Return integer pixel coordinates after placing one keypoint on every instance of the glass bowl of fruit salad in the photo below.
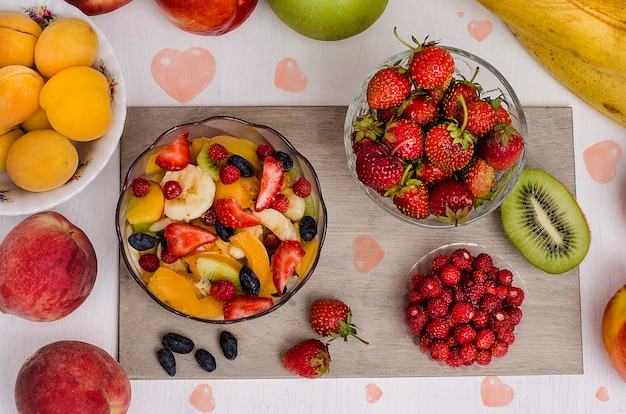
(221, 220)
(436, 147)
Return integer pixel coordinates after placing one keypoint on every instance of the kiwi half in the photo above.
(545, 223)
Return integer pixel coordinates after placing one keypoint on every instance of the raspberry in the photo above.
(482, 262)
(140, 187)
(167, 257)
(302, 188)
(218, 152)
(437, 328)
(464, 333)
(280, 203)
(439, 261)
(480, 319)
(499, 349)
(515, 296)
(515, 315)
(463, 312)
(454, 360)
(430, 287)
(483, 357)
(484, 338)
(222, 290)
(462, 258)
(149, 262)
(264, 150)
(450, 274)
(468, 352)
(172, 189)
(437, 308)
(439, 350)
(229, 174)
(271, 241)
(490, 303)
(505, 277)
(506, 335)
(209, 217)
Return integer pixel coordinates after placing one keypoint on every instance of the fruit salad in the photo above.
(220, 227)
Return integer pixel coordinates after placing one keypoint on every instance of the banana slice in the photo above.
(297, 205)
(280, 225)
(198, 192)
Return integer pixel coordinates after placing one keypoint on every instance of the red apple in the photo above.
(95, 7)
(614, 332)
(48, 267)
(206, 17)
(72, 377)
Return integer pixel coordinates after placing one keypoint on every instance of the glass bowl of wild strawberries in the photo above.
(436, 136)
(463, 304)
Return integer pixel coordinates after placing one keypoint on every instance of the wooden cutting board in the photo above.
(548, 339)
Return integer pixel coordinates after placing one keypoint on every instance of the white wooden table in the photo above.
(246, 60)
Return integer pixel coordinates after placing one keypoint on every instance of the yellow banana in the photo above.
(603, 90)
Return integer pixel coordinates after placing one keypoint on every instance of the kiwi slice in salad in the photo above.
(545, 223)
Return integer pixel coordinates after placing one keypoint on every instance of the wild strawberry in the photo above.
(454, 360)
(218, 152)
(222, 290)
(499, 349)
(176, 155)
(479, 276)
(468, 353)
(302, 187)
(506, 335)
(482, 262)
(448, 147)
(515, 296)
(452, 105)
(309, 359)
(505, 276)
(439, 350)
(484, 338)
(429, 173)
(502, 292)
(264, 150)
(451, 201)
(463, 312)
(376, 168)
(184, 238)
(280, 203)
(431, 67)
(230, 213)
(229, 174)
(437, 308)
(388, 87)
(405, 139)
(284, 262)
(490, 303)
(149, 262)
(479, 177)
(272, 179)
(499, 320)
(412, 200)
(140, 187)
(172, 189)
(450, 274)
(430, 287)
(464, 333)
(209, 217)
(416, 320)
(421, 109)
(425, 341)
(243, 306)
(437, 328)
(168, 257)
(447, 296)
(440, 261)
(474, 291)
(480, 319)
(515, 315)
(332, 317)
(502, 147)
(481, 117)
(483, 357)
(462, 258)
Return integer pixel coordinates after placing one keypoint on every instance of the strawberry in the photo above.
(421, 109)
(451, 201)
(280, 203)
(431, 67)
(376, 168)
(272, 180)
(502, 115)
(230, 213)
(412, 200)
(332, 317)
(429, 173)
(309, 359)
(448, 147)
(405, 139)
(388, 87)
(176, 155)
(242, 306)
(481, 117)
(284, 262)
(479, 177)
(452, 106)
(184, 238)
(366, 127)
(502, 147)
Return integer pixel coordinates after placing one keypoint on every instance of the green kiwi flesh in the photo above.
(545, 223)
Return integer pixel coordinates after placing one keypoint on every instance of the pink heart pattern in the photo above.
(494, 393)
(601, 160)
(183, 75)
(480, 30)
(289, 77)
(201, 398)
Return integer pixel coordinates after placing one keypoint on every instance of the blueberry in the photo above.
(285, 159)
(245, 167)
(228, 343)
(223, 232)
(142, 241)
(308, 228)
(249, 281)
(167, 361)
(177, 343)
(206, 360)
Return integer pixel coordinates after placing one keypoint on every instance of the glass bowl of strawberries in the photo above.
(221, 220)
(436, 136)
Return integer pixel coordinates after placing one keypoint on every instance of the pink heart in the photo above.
(183, 75)
(601, 160)
(289, 77)
(479, 30)
(201, 398)
(367, 253)
(494, 393)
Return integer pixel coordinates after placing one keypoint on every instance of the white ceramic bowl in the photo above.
(93, 155)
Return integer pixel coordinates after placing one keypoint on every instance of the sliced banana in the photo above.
(279, 224)
(198, 192)
(297, 205)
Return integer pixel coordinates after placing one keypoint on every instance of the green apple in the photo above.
(328, 19)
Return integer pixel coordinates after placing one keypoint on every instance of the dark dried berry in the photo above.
(250, 284)
(177, 343)
(142, 241)
(223, 232)
(244, 166)
(228, 342)
(308, 228)
(285, 159)
(206, 360)
(167, 361)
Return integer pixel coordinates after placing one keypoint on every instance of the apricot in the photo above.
(64, 43)
(38, 120)
(146, 209)
(75, 77)
(18, 36)
(6, 140)
(19, 94)
(41, 160)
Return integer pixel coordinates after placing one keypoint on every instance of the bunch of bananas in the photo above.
(582, 43)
